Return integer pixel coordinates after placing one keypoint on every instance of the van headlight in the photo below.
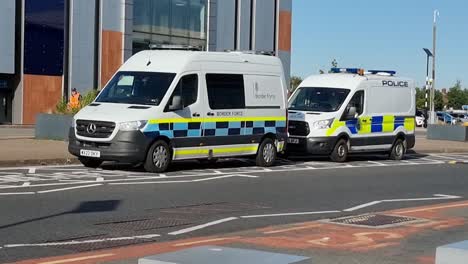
(322, 124)
(132, 125)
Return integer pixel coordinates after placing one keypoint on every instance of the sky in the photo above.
(381, 35)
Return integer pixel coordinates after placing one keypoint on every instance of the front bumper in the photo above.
(313, 145)
(126, 147)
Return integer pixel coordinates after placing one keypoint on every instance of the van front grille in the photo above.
(94, 129)
(298, 128)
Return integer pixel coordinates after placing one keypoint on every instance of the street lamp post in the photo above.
(429, 55)
(434, 38)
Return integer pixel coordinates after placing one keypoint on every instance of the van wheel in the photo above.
(340, 151)
(266, 154)
(398, 150)
(158, 157)
(90, 163)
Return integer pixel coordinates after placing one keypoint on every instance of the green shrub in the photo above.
(63, 109)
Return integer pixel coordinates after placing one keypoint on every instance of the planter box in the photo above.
(447, 132)
(52, 126)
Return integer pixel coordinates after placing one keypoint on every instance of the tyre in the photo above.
(90, 163)
(398, 150)
(158, 158)
(340, 151)
(266, 154)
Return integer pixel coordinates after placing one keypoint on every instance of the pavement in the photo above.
(117, 214)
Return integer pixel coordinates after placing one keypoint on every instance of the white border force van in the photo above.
(349, 111)
(166, 105)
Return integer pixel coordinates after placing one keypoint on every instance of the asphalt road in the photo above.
(48, 211)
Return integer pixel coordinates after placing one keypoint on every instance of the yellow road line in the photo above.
(205, 241)
(77, 259)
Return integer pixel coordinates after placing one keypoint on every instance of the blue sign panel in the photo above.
(44, 37)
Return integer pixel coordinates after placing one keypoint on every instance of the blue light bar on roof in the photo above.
(379, 71)
(345, 70)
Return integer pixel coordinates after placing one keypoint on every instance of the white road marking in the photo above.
(436, 197)
(362, 206)
(290, 214)
(79, 242)
(41, 167)
(376, 163)
(69, 188)
(198, 227)
(17, 193)
(184, 181)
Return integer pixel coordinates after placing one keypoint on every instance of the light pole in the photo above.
(426, 90)
(429, 55)
(434, 38)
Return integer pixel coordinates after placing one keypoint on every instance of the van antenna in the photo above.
(149, 55)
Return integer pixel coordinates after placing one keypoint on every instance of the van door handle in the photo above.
(195, 114)
(210, 114)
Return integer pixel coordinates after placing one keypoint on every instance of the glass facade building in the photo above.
(49, 47)
(181, 22)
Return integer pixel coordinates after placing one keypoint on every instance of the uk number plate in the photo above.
(90, 153)
(293, 140)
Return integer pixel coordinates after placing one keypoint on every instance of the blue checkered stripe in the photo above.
(228, 128)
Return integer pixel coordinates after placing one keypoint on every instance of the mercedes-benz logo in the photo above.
(91, 129)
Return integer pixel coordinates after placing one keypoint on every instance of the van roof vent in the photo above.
(391, 73)
(174, 47)
(254, 52)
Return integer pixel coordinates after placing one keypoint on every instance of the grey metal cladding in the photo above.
(244, 24)
(112, 15)
(264, 25)
(225, 25)
(7, 32)
(82, 40)
(285, 57)
(285, 5)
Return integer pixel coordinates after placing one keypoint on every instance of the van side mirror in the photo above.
(176, 103)
(351, 113)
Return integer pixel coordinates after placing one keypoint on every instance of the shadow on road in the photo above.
(84, 207)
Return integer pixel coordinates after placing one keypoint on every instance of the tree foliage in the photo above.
(294, 82)
(421, 99)
(457, 96)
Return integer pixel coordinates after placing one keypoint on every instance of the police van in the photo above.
(165, 105)
(350, 111)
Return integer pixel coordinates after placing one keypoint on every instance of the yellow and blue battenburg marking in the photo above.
(374, 124)
(213, 126)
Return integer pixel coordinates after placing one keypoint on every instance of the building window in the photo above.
(181, 22)
(225, 91)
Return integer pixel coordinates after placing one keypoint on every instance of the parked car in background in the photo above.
(460, 117)
(446, 118)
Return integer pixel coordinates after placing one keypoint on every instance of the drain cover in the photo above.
(144, 224)
(374, 220)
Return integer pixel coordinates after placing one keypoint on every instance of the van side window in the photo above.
(358, 102)
(187, 89)
(225, 91)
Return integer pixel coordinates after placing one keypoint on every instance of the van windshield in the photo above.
(318, 99)
(144, 88)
